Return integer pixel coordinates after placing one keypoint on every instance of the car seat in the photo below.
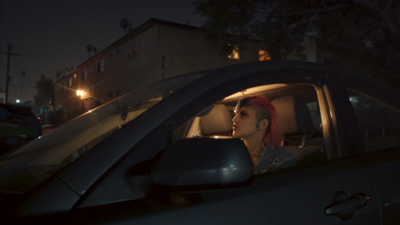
(296, 126)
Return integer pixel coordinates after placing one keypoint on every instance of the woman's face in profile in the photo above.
(244, 122)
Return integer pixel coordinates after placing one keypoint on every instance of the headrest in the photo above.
(218, 120)
(293, 115)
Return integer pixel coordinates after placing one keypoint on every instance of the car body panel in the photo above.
(278, 198)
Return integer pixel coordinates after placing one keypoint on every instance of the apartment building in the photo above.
(153, 51)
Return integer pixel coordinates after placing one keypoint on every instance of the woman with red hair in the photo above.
(255, 122)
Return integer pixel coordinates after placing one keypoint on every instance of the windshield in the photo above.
(35, 162)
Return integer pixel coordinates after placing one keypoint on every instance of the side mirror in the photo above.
(199, 163)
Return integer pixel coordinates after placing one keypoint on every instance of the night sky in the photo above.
(48, 35)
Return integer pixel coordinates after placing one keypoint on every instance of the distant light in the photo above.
(263, 55)
(82, 94)
(235, 53)
(17, 101)
(79, 92)
(353, 99)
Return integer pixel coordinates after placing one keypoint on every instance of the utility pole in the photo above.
(9, 54)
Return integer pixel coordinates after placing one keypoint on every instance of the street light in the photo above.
(82, 94)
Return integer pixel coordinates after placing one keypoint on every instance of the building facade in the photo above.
(154, 51)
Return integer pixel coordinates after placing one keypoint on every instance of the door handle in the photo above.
(344, 204)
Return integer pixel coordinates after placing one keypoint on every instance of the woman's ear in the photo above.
(262, 124)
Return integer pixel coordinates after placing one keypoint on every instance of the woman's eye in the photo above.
(243, 114)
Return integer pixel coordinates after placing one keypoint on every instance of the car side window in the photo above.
(379, 122)
(299, 117)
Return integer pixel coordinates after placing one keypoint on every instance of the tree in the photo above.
(360, 35)
(45, 92)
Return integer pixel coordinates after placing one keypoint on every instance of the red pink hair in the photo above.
(265, 110)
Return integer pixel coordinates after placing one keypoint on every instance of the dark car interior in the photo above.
(378, 121)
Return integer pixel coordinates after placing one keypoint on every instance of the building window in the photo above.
(63, 85)
(129, 54)
(75, 75)
(100, 66)
(70, 82)
(135, 48)
(263, 55)
(235, 53)
(84, 75)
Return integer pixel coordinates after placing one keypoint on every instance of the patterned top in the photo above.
(274, 159)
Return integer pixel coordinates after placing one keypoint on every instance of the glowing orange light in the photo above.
(82, 94)
(263, 55)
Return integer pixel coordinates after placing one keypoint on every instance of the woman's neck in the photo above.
(255, 148)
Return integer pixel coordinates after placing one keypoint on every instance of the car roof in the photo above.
(16, 109)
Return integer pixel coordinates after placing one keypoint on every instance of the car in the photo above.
(164, 154)
(18, 125)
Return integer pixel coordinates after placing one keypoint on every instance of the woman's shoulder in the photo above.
(283, 152)
(276, 158)
(284, 157)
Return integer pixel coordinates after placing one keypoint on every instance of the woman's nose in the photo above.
(234, 119)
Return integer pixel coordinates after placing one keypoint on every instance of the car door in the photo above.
(336, 190)
(377, 108)
(333, 191)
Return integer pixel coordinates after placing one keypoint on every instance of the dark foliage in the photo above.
(360, 35)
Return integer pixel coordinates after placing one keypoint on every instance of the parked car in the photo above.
(18, 125)
(163, 154)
